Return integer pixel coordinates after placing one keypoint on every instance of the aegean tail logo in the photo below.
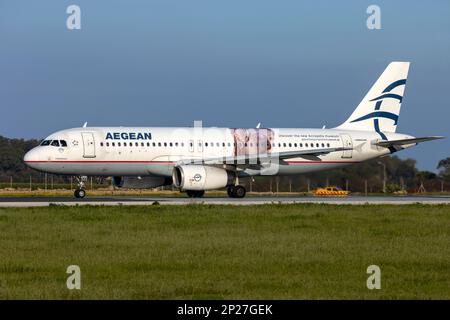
(377, 113)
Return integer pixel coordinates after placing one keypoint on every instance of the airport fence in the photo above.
(274, 185)
(51, 182)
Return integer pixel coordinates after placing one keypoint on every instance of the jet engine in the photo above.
(141, 182)
(199, 177)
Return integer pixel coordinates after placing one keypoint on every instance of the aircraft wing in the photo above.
(391, 143)
(261, 158)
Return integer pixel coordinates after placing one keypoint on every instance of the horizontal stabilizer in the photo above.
(401, 142)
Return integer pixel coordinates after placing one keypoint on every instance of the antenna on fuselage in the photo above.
(85, 125)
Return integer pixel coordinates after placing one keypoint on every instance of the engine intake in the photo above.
(198, 177)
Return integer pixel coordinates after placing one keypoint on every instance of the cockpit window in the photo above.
(63, 143)
(55, 143)
(45, 142)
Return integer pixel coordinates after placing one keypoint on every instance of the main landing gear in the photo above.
(233, 192)
(236, 191)
(80, 192)
(195, 193)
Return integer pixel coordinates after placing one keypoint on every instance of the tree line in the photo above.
(401, 174)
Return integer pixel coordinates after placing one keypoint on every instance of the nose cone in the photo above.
(31, 158)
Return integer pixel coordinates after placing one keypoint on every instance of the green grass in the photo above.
(226, 252)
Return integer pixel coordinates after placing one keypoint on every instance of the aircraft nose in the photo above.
(31, 158)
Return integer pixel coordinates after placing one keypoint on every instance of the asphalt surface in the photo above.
(132, 200)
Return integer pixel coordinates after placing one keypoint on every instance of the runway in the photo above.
(132, 200)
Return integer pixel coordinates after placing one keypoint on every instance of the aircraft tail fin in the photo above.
(379, 110)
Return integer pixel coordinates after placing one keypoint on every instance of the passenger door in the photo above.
(347, 143)
(88, 144)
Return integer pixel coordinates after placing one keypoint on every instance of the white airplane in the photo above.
(197, 159)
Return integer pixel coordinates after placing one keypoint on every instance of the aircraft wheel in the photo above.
(239, 192)
(190, 193)
(79, 193)
(195, 194)
(200, 194)
(230, 191)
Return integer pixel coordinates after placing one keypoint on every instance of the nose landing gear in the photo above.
(80, 192)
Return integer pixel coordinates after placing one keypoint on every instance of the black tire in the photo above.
(195, 193)
(200, 194)
(79, 193)
(230, 191)
(190, 193)
(239, 192)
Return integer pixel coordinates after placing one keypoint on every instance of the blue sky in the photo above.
(229, 63)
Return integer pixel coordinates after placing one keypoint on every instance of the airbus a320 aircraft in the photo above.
(197, 159)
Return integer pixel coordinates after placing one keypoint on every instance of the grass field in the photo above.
(226, 252)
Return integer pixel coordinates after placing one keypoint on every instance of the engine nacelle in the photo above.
(141, 183)
(198, 177)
